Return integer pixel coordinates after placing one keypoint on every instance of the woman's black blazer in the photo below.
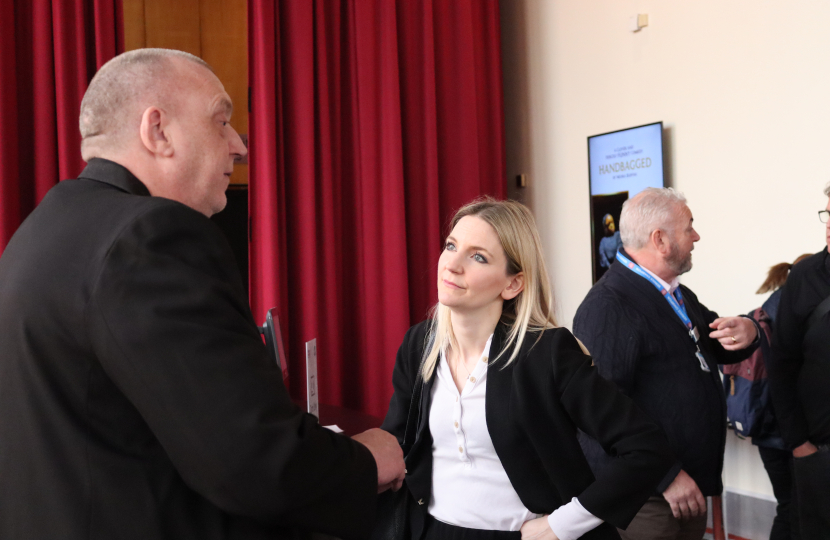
(533, 408)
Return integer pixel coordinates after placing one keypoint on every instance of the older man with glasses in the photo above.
(799, 374)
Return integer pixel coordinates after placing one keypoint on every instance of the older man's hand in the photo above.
(684, 497)
(388, 457)
(734, 333)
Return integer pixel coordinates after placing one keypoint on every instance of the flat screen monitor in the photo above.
(620, 165)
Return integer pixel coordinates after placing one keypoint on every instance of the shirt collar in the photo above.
(485, 354)
(671, 287)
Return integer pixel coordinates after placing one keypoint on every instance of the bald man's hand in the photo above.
(388, 457)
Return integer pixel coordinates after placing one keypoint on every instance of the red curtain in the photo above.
(49, 51)
(371, 121)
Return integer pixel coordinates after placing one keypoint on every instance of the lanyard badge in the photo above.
(675, 303)
(693, 333)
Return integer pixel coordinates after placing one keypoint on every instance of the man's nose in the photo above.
(238, 148)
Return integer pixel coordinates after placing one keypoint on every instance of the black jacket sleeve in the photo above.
(404, 376)
(786, 362)
(171, 327)
(722, 356)
(641, 451)
(610, 332)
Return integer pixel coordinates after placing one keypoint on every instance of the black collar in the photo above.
(110, 172)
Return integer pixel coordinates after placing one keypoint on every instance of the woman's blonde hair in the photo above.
(532, 309)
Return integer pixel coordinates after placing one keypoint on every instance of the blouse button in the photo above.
(460, 450)
(472, 379)
(455, 424)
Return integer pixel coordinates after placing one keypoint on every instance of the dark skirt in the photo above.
(438, 530)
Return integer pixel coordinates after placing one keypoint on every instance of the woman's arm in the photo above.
(598, 408)
(404, 376)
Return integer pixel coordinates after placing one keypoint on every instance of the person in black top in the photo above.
(777, 459)
(631, 323)
(138, 399)
(799, 374)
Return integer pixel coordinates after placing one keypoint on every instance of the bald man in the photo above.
(136, 396)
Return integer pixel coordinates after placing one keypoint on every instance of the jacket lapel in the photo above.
(497, 399)
(422, 420)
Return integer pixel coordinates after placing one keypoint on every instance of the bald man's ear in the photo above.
(154, 132)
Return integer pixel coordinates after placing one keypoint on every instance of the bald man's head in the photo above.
(121, 90)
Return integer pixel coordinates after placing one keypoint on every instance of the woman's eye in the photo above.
(449, 246)
(479, 258)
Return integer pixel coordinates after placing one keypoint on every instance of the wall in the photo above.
(214, 30)
(741, 87)
(217, 32)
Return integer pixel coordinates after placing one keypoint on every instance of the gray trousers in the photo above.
(655, 521)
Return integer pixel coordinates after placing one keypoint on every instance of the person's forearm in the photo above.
(570, 521)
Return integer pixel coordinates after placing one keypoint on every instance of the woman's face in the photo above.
(472, 270)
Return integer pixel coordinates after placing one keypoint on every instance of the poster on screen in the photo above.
(621, 164)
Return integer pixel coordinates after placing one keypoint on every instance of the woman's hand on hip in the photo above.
(538, 529)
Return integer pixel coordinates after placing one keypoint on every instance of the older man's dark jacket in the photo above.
(640, 343)
(137, 400)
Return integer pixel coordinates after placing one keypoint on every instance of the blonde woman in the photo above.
(500, 392)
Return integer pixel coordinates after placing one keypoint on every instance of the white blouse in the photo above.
(469, 485)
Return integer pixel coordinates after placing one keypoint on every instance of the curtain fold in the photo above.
(371, 121)
(50, 51)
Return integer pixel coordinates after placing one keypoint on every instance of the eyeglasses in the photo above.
(823, 215)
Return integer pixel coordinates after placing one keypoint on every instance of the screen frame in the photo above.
(594, 261)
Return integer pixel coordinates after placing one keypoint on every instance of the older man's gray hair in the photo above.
(121, 91)
(649, 210)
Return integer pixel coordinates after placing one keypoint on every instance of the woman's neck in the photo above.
(472, 329)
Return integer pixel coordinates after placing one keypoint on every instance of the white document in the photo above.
(311, 377)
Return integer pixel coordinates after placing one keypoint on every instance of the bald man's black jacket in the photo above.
(137, 400)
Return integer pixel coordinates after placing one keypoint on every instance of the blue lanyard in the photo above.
(678, 307)
(675, 303)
